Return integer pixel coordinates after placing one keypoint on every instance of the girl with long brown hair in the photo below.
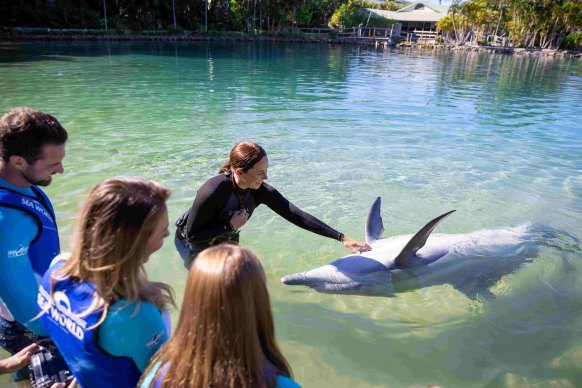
(98, 305)
(224, 203)
(225, 336)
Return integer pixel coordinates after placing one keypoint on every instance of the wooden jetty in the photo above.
(374, 35)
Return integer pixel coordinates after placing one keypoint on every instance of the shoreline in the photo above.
(241, 37)
(559, 53)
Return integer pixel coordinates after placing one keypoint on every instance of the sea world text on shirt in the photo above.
(60, 312)
(36, 206)
(20, 251)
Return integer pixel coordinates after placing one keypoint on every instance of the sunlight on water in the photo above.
(495, 137)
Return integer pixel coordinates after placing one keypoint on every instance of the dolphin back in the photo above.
(374, 224)
(417, 241)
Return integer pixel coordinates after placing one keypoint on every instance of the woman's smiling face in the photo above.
(254, 177)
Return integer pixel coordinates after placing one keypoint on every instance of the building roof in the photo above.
(423, 6)
(419, 11)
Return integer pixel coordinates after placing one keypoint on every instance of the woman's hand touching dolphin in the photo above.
(355, 246)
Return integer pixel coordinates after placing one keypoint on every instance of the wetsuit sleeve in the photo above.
(210, 198)
(18, 284)
(125, 333)
(280, 205)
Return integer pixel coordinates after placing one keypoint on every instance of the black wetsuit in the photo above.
(207, 223)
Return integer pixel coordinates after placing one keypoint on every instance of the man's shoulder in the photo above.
(16, 218)
(7, 187)
(16, 202)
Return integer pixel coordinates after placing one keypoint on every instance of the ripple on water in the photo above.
(492, 136)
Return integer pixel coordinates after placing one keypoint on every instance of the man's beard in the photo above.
(44, 182)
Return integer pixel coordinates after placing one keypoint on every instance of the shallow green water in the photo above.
(495, 137)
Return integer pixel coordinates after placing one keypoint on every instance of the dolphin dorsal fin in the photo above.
(418, 240)
(374, 225)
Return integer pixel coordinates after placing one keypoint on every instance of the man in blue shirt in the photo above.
(32, 148)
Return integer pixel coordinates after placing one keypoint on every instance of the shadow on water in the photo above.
(252, 52)
(261, 67)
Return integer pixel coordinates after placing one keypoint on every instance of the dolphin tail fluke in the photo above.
(418, 240)
(374, 224)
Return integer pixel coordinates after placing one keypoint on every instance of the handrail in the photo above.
(383, 33)
(315, 30)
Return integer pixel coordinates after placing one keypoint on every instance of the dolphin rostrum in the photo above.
(470, 262)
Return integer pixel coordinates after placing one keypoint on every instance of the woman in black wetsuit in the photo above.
(223, 204)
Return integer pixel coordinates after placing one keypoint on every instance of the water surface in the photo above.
(496, 137)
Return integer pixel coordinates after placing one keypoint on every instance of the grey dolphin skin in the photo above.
(471, 262)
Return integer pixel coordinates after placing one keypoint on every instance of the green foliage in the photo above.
(527, 23)
(200, 27)
(303, 17)
(347, 15)
(236, 14)
(351, 14)
(445, 24)
(380, 22)
(175, 31)
(573, 41)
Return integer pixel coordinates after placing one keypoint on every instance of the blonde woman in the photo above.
(98, 305)
(225, 336)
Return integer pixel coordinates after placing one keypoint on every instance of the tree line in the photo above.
(193, 15)
(526, 23)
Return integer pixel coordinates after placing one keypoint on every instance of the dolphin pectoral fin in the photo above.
(294, 279)
(418, 240)
(374, 225)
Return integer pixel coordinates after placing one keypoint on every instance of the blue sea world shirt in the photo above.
(148, 380)
(115, 353)
(28, 242)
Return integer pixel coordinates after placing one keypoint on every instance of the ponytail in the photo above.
(225, 168)
(244, 155)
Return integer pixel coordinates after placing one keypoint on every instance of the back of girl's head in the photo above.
(225, 335)
(114, 226)
(244, 155)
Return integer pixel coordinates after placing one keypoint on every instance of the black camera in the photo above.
(48, 367)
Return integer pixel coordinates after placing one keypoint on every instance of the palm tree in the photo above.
(174, 13)
(105, 13)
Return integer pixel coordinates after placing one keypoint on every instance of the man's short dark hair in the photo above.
(25, 131)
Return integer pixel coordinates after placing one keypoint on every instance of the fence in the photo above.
(367, 33)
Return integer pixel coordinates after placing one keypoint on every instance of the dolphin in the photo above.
(471, 262)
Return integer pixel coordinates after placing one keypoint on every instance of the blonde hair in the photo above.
(114, 226)
(225, 336)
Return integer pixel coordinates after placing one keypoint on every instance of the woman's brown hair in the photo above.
(244, 155)
(225, 336)
(114, 226)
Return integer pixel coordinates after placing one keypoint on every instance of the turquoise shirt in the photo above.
(137, 335)
(282, 381)
(18, 284)
(116, 352)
